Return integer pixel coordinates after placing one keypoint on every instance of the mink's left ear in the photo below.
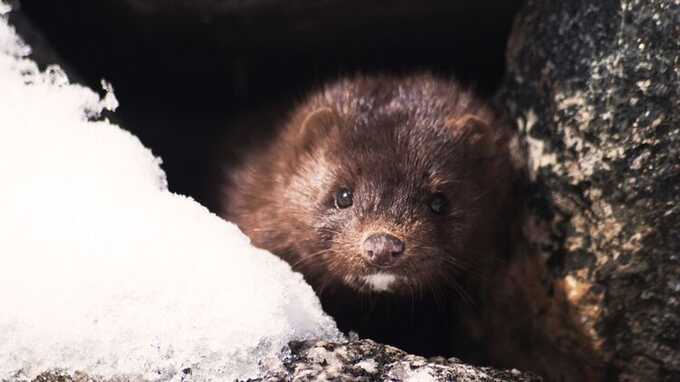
(316, 125)
(476, 134)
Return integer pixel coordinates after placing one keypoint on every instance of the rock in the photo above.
(365, 360)
(595, 90)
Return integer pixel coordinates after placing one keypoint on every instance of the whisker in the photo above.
(317, 256)
(463, 294)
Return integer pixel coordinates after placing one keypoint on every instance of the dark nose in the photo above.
(382, 250)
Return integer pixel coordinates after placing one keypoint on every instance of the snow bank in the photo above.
(103, 270)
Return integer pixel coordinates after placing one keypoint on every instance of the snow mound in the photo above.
(103, 270)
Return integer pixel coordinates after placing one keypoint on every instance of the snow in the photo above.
(103, 270)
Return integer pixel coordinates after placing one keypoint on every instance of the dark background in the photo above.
(186, 71)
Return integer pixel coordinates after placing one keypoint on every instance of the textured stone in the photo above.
(365, 360)
(595, 90)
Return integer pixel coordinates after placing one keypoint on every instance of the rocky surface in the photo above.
(356, 360)
(595, 90)
(365, 360)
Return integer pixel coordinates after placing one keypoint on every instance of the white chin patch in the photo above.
(380, 282)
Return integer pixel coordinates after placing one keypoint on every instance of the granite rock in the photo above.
(595, 90)
(365, 360)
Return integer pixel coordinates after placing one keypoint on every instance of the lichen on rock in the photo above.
(596, 89)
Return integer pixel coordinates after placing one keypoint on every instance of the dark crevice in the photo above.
(183, 72)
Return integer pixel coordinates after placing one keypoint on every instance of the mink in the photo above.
(394, 196)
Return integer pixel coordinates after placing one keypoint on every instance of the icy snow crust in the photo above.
(103, 270)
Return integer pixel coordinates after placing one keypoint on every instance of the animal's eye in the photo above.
(438, 203)
(344, 198)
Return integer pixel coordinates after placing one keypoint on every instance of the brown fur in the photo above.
(395, 141)
(391, 139)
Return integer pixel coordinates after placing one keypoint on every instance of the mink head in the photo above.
(383, 184)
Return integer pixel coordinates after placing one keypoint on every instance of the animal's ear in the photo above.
(317, 124)
(476, 134)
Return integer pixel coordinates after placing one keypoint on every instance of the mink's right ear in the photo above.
(317, 125)
(478, 136)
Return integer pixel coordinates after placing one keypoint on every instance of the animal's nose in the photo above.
(382, 250)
